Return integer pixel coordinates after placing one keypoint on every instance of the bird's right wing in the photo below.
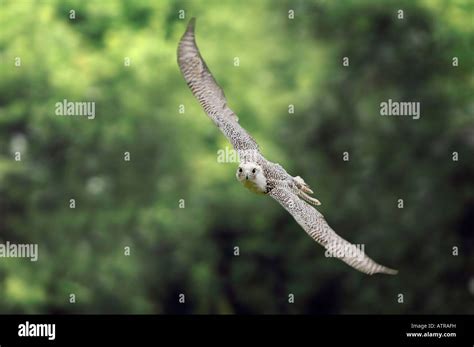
(316, 226)
(209, 93)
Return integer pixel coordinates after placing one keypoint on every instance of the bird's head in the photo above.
(249, 172)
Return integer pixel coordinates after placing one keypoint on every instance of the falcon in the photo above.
(257, 173)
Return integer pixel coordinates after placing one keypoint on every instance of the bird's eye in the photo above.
(253, 171)
(240, 169)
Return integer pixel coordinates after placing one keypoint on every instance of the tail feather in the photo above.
(307, 198)
(304, 190)
(302, 185)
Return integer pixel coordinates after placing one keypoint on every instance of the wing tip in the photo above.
(191, 25)
(387, 271)
(187, 43)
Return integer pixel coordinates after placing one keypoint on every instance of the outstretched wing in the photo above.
(316, 226)
(209, 93)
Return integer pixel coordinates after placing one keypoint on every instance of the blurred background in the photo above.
(182, 212)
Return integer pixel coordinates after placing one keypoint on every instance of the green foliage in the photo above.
(173, 156)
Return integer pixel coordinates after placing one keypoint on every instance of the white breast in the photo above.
(259, 185)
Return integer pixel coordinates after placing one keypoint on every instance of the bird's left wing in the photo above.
(209, 93)
(316, 226)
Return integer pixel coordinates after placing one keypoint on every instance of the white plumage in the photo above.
(258, 174)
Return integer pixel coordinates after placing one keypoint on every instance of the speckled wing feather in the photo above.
(209, 93)
(316, 226)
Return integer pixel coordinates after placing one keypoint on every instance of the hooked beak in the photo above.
(246, 177)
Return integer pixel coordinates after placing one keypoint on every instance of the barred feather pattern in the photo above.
(280, 185)
(209, 94)
(313, 222)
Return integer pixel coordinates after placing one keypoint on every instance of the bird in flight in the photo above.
(257, 173)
